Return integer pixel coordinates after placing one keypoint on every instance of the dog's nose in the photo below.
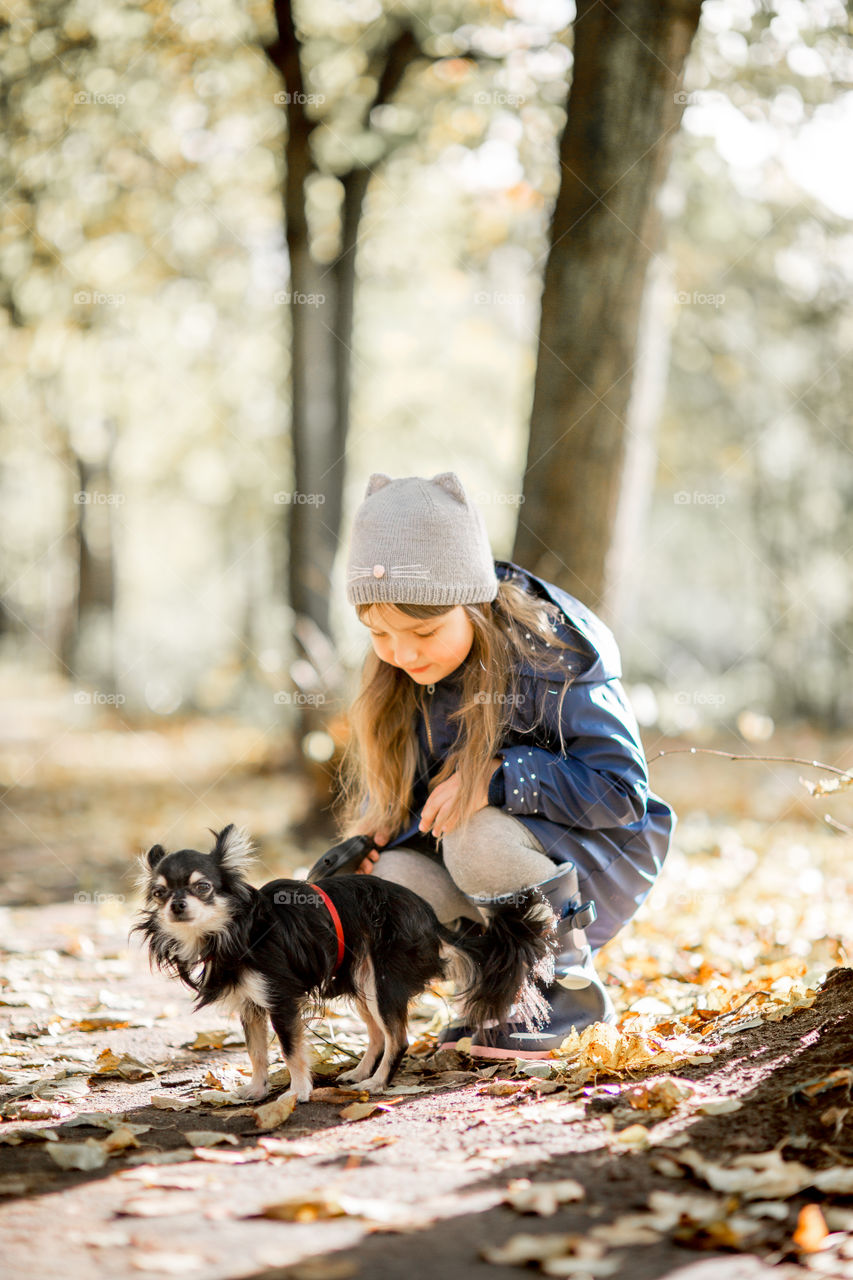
(179, 906)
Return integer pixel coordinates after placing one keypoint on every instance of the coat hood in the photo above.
(583, 628)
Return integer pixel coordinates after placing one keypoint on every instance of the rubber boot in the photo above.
(577, 997)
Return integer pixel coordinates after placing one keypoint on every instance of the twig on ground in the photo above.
(721, 1017)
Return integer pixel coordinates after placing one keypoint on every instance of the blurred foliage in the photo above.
(142, 247)
(747, 575)
(142, 272)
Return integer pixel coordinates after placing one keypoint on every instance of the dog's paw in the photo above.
(373, 1085)
(348, 1077)
(252, 1092)
(301, 1095)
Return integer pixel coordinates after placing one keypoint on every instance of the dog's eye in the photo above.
(202, 886)
(160, 893)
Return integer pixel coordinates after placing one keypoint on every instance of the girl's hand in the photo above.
(381, 837)
(436, 814)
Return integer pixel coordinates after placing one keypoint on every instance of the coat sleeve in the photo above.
(600, 781)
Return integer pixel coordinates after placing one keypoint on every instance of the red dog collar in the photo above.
(336, 919)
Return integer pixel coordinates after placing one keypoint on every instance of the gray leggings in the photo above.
(492, 853)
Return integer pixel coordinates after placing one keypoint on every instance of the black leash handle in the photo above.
(341, 858)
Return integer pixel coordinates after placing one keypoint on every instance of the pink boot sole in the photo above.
(483, 1051)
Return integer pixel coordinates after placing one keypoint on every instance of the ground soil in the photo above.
(443, 1156)
(433, 1166)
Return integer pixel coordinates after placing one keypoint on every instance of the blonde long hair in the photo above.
(379, 765)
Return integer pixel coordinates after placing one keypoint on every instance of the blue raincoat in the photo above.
(592, 805)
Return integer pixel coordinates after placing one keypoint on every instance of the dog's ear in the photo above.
(154, 855)
(233, 849)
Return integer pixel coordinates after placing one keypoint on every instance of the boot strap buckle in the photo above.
(582, 916)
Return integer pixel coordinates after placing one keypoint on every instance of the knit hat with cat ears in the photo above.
(419, 541)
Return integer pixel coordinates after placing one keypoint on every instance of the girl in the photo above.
(492, 745)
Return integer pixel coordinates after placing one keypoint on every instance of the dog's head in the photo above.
(192, 896)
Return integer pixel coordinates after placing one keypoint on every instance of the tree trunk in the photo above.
(317, 452)
(94, 648)
(624, 107)
(321, 335)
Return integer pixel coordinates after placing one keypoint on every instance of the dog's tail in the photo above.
(496, 967)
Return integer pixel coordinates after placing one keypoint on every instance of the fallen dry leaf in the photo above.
(219, 1098)
(100, 1022)
(520, 1249)
(669, 1169)
(303, 1209)
(838, 1180)
(776, 1209)
(247, 1155)
(835, 1117)
(285, 1148)
(331, 1093)
(581, 1266)
(15, 1137)
(98, 1119)
(558, 1255)
(604, 1047)
(719, 1106)
(723, 1233)
(273, 1114)
(634, 1136)
(633, 1228)
(810, 1235)
(668, 1208)
(210, 1039)
(664, 1094)
(124, 1065)
(842, 1077)
(386, 1215)
(36, 1109)
(64, 1087)
(534, 1068)
(178, 1155)
(120, 1139)
(167, 1102)
(359, 1110)
(765, 1175)
(543, 1198)
(455, 1077)
(91, 1154)
(208, 1137)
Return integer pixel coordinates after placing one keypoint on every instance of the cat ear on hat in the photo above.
(377, 481)
(450, 482)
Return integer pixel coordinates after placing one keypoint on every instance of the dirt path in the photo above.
(419, 1185)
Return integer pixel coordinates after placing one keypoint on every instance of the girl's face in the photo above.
(427, 649)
